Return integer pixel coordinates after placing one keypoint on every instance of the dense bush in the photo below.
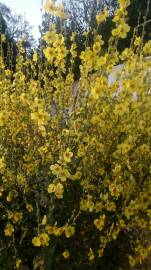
(75, 158)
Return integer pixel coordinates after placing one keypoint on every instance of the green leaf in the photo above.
(50, 257)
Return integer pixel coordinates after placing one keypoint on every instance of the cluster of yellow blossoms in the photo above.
(75, 157)
(56, 10)
(122, 28)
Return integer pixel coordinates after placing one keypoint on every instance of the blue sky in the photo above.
(29, 8)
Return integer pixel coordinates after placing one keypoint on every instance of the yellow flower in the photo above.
(115, 32)
(124, 148)
(63, 175)
(73, 50)
(69, 231)
(42, 131)
(124, 3)
(21, 179)
(83, 205)
(91, 255)
(87, 204)
(95, 92)
(60, 12)
(101, 252)
(149, 213)
(90, 205)
(58, 231)
(115, 233)
(115, 189)
(110, 206)
(97, 47)
(40, 117)
(137, 41)
(81, 151)
(67, 155)
(117, 169)
(17, 217)
(59, 191)
(102, 16)
(41, 240)
(36, 242)
(43, 150)
(122, 224)
(66, 254)
(76, 176)
(121, 109)
(132, 261)
(50, 229)
(8, 72)
(147, 48)
(65, 132)
(2, 163)
(44, 239)
(98, 87)
(49, 36)
(55, 10)
(44, 220)
(18, 263)
(29, 207)
(3, 37)
(50, 6)
(55, 169)
(99, 223)
(98, 206)
(122, 28)
(35, 57)
(51, 188)
(129, 211)
(9, 197)
(9, 230)
(10, 214)
(143, 254)
(49, 54)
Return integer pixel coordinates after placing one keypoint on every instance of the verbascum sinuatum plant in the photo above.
(75, 157)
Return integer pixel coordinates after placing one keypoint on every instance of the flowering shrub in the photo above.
(75, 163)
